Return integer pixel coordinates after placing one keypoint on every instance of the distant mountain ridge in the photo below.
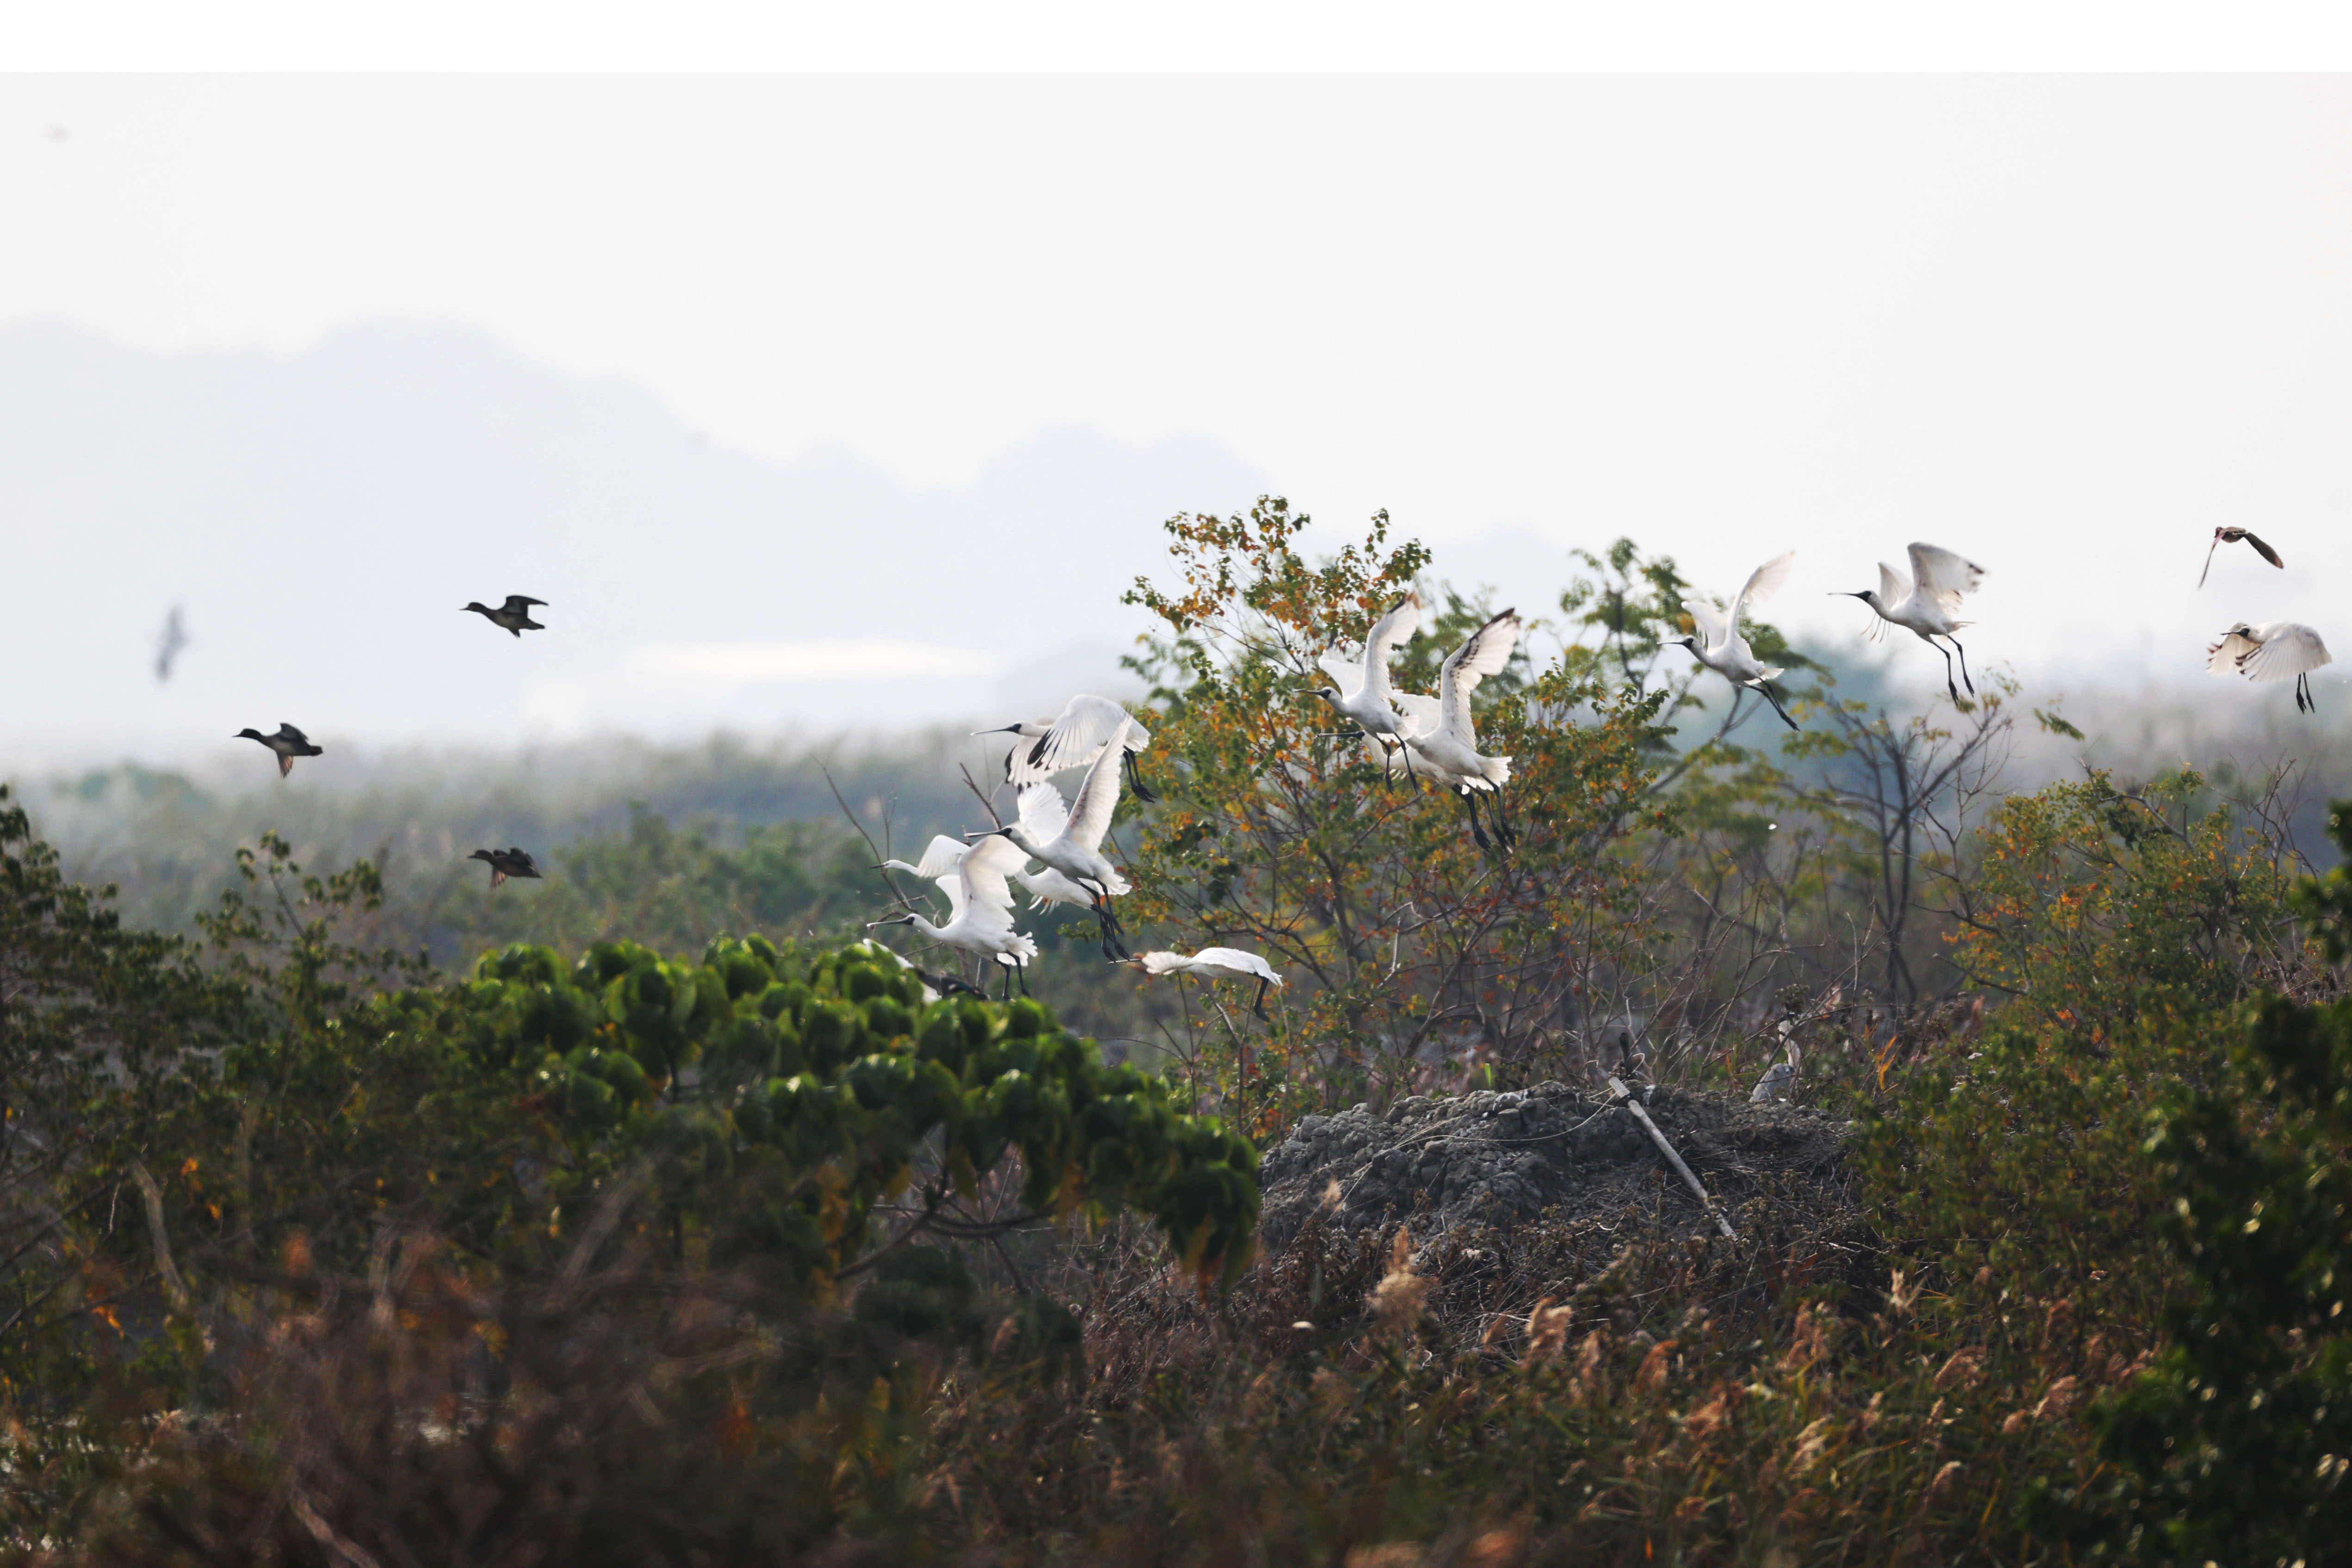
(323, 515)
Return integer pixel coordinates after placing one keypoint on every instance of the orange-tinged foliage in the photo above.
(1411, 957)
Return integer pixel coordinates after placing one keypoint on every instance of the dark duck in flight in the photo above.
(288, 743)
(505, 864)
(514, 615)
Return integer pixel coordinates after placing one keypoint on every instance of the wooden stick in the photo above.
(1624, 1096)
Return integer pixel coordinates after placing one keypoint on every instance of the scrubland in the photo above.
(350, 1214)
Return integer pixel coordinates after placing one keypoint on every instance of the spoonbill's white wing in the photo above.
(1075, 737)
(1235, 964)
(1486, 654)
(1043, 813)
(2287, 650)
(1098, 796)
(1943, 576)
(1050, 886)
(940, 858)
(1346, 673)
(1163, 963)
(985, 866)
(1420, 713)
(1399, 624)
(2222, 658)
(1708, 621)
(953, 885)
(1893, 588)
(1762, 584)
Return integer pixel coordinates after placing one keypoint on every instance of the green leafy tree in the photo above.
(2235, 1444)
(1409, 954)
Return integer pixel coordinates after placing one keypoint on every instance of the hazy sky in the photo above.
(2066, 325)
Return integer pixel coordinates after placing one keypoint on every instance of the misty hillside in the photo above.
(323, 516)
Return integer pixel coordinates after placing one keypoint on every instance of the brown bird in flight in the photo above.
(2229, 536)
(505, 864)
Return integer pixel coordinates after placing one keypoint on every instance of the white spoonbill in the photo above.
(2271, 651)
(1927, 602)
(979, 910)
(1451, 743)
(1725, 651)
(1779, 1080)
(1360, 691)
(1214, 964)
(1068, 839)
(1046, 887)
(2229, 536)
(1072, 738)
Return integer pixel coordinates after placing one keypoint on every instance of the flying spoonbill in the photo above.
(514, 615)
(1361, 692)
(1925, 603)
(1725, 651)
(1072, 738)
(2229, 536)
(288, 743)
(1451, 742)
(1046, 887)
(1068, 838)
(2271, 651)
(1214, 964)
(979, 910)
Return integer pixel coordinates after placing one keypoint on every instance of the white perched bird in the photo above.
(1721, 648)
(980, 909)
(1068, 839)
(2271, 651)
(1360, 691)
(1451, 742)
(1779, 1080)
(1072, 738)
(1044, 887)
(1926, 603)
(1214, 964)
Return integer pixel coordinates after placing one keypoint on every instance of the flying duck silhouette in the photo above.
(505, 864)
(514, 615)
(288, 743)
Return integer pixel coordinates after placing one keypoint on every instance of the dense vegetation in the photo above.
(313, 1251)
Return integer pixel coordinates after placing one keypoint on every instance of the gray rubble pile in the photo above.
(1502, 1160)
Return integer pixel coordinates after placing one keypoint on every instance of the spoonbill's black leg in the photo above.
(1505, 834)
(1775, 700)
(1963, 662)
(1478, 833)
(1260, 1007)
(1135, 781)
(1947, 668)
(1107, 925)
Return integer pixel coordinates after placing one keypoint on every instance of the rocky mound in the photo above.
(1549, 1154)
